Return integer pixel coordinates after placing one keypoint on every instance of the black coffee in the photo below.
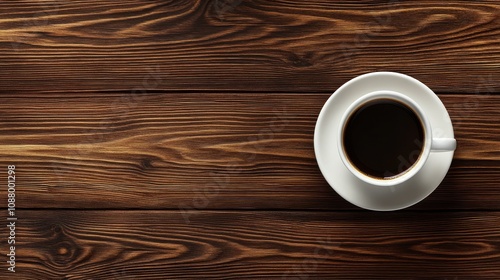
(383, 138)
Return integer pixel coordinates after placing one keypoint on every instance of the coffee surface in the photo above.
(383, 138)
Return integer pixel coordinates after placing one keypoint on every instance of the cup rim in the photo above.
(426, 147)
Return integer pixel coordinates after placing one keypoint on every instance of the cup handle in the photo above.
(443, 144)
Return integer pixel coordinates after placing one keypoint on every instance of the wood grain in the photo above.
(173, 139)
(257, 245)
(209, 151)
(218, 45)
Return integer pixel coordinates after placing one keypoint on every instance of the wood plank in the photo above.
(208, 151)
(281, 46)
(257, 245)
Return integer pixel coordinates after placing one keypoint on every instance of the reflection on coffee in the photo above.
(383, 138)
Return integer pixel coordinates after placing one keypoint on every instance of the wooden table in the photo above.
(174, 139)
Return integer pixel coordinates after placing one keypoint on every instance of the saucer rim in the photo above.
(445, 157)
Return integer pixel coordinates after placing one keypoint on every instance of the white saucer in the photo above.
(348, 185)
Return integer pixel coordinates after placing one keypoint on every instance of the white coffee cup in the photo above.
(431, 144)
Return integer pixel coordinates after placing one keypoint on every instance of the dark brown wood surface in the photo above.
(174, 139)
(258, 245)
(258, 45)
(231, 151)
